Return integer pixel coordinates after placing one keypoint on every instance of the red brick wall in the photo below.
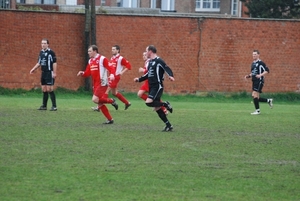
(211, 54)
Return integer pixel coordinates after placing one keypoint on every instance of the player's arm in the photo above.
(37, 65)
(54, 70)
(110, 68)
(266, 70)
(126, 64)
(248, 76)
(142, 78)
(168, 71)
(85, 73)
(54, 64)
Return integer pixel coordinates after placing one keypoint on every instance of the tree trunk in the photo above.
(87, 83)
(93, 23)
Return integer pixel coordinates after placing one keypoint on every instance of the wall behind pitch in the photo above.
(20, 44)
(206, 54)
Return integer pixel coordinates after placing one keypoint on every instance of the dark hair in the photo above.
(152, 48)
(94, 48)
(256, 51)
(45, 39)
(117, 47)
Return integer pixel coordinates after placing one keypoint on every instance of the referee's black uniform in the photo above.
(46, 59)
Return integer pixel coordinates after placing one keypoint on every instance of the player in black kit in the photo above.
(47, 62)
(155, 75)
(258, 71)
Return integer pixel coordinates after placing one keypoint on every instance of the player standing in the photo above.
(47, 62)
(258, 71)
(97, 68)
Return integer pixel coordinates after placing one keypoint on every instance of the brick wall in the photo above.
(206, 54)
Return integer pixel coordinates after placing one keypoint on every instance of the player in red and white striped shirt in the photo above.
(97, 68)
(121, 65)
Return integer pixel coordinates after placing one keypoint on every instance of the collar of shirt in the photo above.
(45, 49)
(116, 56)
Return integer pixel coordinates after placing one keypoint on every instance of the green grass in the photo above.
(217, 151)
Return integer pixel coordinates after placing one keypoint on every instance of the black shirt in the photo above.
(258, 67)
(156, 69)
(46, 59)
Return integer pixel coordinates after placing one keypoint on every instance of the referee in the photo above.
(47, 62)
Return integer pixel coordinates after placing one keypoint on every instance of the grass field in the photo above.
(217, 151)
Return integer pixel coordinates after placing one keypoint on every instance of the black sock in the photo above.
(163, 117)
(53, 99)
(256, 103)
(263, 100)
(45, 99)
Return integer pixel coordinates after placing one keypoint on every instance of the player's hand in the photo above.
(136, 79)
(53, 75)
(172, 78)
(80, 73)
(31, 71)
(111, 77)
(141, 70)
(247, 76)
(258, 76)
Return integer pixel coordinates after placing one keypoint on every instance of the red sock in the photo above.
(106, 113)
(144, 96)
(122, 98)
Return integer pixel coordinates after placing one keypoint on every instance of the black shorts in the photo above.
(46, 78)
(257, 85)
(155, 92)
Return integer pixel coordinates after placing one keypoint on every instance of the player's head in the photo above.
(115, 49)
(145, 56)
(92, 51)
(150, 50)
(255, 55)
(45, 43)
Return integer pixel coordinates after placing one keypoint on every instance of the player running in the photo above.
(97, 68)
(144, 89)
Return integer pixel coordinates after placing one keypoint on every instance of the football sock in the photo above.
(121, 98)
(263, 100)
(163, 117)
(164, 109)
(144, 96)
(105, 112)
(53, 99)
(45, 99)
(256, 103)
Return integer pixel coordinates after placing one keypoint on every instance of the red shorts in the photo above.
(145, 86)
(99, 91)
(114, 83)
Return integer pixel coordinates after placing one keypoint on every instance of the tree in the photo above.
(89, 33)
(282, 9)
